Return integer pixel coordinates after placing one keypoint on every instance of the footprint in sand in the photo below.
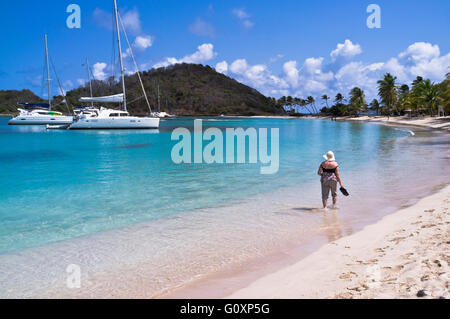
(398, 239)
(407, 256)
(348, 275)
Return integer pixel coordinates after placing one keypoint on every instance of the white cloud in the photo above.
(422, 58)
(435, 68)
(103, 18)
(276, 58)
(99, 70)
(258, 76)
(357, 74)
(248, 24)
(346, 50)
(313, 76)
(68, 84)
(132, 21)
(313, 65)
(202, 28)
(133, 25)
(222, 67)
(143, 42)
(243, 17)
(239, 66)
(241, 14)
(394, 67)
(420, 51)
(292, 74)
(204, 53)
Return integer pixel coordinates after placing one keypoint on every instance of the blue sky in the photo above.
(278, 47)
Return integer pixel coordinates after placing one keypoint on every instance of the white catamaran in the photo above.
(104, 118)
(41, 113)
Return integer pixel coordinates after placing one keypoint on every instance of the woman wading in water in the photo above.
(329, 173)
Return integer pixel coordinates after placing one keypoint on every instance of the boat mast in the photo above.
(89, 77)
(116, 13)
(48, 73)
(159, 100)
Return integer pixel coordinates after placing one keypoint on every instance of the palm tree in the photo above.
(417, 81)
(325, 98)
(297, 102)
(429, 95)
(290, 100)
(403, 90)
(304, 103)
(311, 101)
(357, 100)
(387, 91)
(375, 106)
(339, 98)
(445, 94)
(403, 95)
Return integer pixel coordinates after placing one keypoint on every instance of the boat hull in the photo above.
(41, 120)
(124, 123)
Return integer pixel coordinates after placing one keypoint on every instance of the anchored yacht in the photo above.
(41, 113)
(105, 118)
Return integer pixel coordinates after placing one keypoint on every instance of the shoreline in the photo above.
(245, 293)
(270, 264)
(437, 123)
(400, 255)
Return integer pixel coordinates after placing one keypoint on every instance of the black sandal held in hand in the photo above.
(344, 191)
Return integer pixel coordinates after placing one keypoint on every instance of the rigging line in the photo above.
(139, 98)
(113, 62)
(43, 78)
(59, 84)
(135, 64)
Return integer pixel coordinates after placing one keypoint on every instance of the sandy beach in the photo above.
(430, 122)
(405, 255)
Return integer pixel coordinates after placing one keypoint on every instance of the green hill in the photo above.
(185, 89)
(10, 98)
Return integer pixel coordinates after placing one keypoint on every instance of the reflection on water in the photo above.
(332, 226)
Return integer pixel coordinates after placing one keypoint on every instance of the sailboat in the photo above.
(105, 118)
(40, 113)
(158, 113)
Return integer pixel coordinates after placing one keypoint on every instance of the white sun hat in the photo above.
(330, 157)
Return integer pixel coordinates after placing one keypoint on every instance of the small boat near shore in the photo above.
(57, 127)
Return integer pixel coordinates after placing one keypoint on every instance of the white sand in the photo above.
(431, 122)
(403, 253)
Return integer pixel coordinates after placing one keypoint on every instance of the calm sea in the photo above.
(114, 202)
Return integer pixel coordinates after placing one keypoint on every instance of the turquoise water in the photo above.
(114, 200)
(58, 185)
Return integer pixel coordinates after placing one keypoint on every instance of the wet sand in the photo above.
(405, 255)
(402, 256)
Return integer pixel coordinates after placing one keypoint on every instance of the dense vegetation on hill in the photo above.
(185, 89)
(10, 98)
